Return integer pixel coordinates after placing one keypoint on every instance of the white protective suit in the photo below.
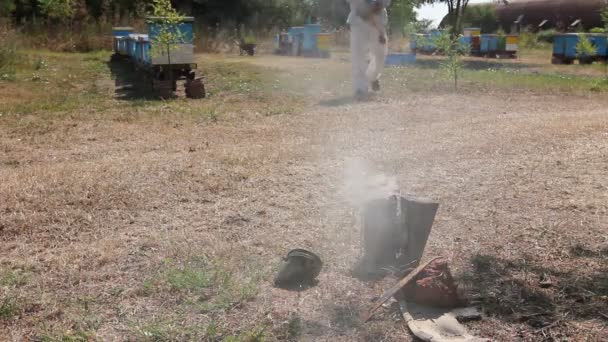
(368, 44)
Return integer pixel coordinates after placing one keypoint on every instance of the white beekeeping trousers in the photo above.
(367, 53)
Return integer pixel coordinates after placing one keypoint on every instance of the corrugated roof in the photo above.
(557, 12)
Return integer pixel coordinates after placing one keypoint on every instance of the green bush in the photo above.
(546, 36)
(529, 40)
(585, 48)
(483, 16)
(598, 30)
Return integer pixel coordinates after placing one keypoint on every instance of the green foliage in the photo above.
(8, 308)
(451, 47)
(605, 17)
(294, 327)
(13, 278)
(456, 9)
(584, 47)
(254, 335)
(189, 278)
(77, 336)
(529, 40)
(546, 36)
(423, 26)
(402, 14)
(258, 15)
(483, 16)
(7, 7)
(169, 35)
(8, 56)
(168, 18)
(207, 286)
(597, 30)
(61, 10)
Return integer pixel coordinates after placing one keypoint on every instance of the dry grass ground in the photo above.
(127, 218)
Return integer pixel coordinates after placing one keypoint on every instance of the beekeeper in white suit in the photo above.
(368, 43)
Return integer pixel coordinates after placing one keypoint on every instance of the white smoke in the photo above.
(363, 184)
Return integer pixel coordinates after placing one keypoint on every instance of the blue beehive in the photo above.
(489, 43)
(464, 40)
(118, 33)
(145, 50)
(136, 49)
(309, 43)
(131, 45)
(121, 31)
(183, 30)
(400, 58)
(296, 37)
(141, 45)
(295, 31)
(121, 45)
(564, 46)
(600, 41)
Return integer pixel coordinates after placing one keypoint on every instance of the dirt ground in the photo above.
(96, 214)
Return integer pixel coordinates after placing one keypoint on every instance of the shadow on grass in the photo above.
(526, 291)
(129, 84)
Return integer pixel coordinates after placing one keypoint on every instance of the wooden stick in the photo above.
(401, 284)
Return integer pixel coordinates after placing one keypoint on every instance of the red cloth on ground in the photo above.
(434, 286)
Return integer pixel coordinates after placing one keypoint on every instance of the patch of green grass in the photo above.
(514, 79)
(294, 327)
(13, 278)
(160, 331)
(79, 86)
(254, 335)
(8, 308)
(240, 78)
(189, 277)
(206, 286)
(494, 77)
(600, 85)
(155, 332)
(68, 336)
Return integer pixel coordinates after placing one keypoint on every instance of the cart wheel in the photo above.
(162, 88)
(195, 89)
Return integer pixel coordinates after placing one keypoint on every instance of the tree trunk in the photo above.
(170, 73)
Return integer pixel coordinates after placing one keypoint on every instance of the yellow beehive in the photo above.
(512, 43)
(471, 32)
(324, 41)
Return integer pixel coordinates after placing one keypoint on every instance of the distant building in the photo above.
(543, 14)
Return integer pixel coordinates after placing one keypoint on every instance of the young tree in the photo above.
(453, 49)
(168, 34)
(585, 50)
